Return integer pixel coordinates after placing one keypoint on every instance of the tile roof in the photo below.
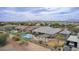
(26, 27)
(47, 30)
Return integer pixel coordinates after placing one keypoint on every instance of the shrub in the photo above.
(59, 36)
(3, 39)
(16, 38)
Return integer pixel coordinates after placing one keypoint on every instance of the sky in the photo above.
(39, 13)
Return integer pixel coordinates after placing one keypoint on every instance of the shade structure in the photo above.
(73, 38)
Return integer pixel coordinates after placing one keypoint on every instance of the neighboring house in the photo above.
(30, 28)
(2, 28)
(26, 28)
(73, 41)
(20, 27)
(9, 27)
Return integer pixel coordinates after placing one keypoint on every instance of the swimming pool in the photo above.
(26, 36)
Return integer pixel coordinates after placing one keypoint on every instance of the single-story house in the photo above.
(2, 28)
(30, 28)
(26, 28)
(45, 33)
(73, 41)
(47, 30)
(9, 27)
(20, 27)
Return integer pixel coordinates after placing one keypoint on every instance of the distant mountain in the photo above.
(13, 20)
(73, 20)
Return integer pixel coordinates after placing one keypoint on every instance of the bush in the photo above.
(16, 38)
(59, 36)
(3, 39)
(55, 25)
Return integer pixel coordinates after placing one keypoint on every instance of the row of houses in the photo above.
(26, 28)
(15, 27)
(7, 27)
(46, 35)
(45, 32)
(49, 31)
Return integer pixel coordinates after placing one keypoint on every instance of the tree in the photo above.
(38, 24)
(70, 26)
(43, 24)
(2, 24)
(63, 26)
(55, 25)
(16, 38)
(59, 38)
(75, 30)
(3, 39)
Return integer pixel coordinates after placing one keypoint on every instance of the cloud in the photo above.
(38, 13)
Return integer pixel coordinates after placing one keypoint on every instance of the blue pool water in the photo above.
(26, 36)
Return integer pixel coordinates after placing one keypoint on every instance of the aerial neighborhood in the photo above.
(39, 36)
